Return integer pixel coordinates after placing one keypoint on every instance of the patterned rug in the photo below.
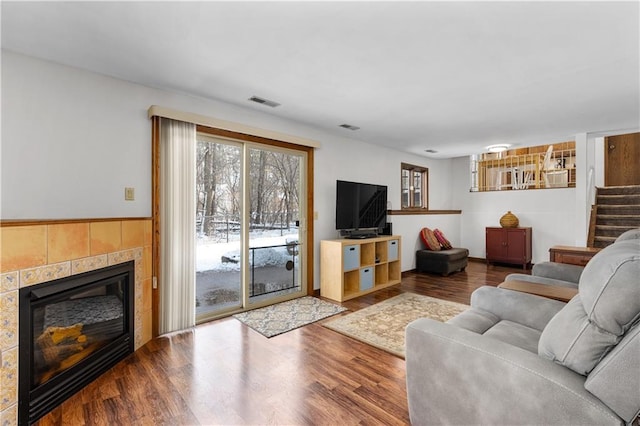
(286, 316)
(383, 324)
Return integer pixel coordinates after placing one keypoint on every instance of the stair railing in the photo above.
(593, 207)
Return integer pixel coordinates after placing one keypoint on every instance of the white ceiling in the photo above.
(449, 76)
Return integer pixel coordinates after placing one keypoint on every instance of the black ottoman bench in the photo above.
(442, 262)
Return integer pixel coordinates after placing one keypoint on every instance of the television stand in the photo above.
(352, 268)
(360, 236)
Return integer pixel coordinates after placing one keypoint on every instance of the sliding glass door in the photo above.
(218, 226)
(250, 241)
(274, 223)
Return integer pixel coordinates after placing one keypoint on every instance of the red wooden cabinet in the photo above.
(509, 245)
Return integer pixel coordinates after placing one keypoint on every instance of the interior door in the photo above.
(622, 160)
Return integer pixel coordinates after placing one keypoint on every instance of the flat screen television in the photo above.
(361, 208)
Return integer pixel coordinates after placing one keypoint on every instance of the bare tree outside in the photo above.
(274, 197)
(273, 211)
(218, 183)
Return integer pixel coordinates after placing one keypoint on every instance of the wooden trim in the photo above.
(31, 222)
(155, 211)
(593, 216)
(310, 222)
(606, 169)
(425, 177)
(408, 212)
(424, 171)
(227, 134)
(557, 292)
(470, 259)
(251, 138)
(572, 255)
(408, 166)
(214, 123)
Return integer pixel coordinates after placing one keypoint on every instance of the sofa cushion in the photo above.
(571, 340)
(488, 324)
(475, 320)
(442, 239)
(429, 239)
(607, 305)
(609, 287)
(558, 271)
(631, 234)
(515, 334)
(443, 261)
(622, 367)
(450, 255)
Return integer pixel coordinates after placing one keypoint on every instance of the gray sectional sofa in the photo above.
(515, 358)
(562, 274)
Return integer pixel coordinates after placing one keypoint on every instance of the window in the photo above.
(259, 221)
(536, 167)
(414, 184)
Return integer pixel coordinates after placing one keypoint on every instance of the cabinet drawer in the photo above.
(351, 257)
(392, 250)
(572, 259)
(366, 278)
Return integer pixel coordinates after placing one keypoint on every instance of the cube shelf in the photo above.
(352, 268)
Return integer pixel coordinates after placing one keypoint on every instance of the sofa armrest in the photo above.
(523, 308)
(540, 280)
(455, 376)
(558, 271)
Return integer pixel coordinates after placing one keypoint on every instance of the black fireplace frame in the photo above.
(34, 402)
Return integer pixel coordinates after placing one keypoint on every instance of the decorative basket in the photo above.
(509, 220)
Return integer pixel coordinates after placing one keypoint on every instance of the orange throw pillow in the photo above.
(442, 239)
(429, 239)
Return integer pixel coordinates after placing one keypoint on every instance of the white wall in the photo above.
(361, 162)
(410, 226)
(557, 216)
(72, 140)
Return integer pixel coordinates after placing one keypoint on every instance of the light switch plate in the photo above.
(129, 194)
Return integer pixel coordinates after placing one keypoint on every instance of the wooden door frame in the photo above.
(243, 137)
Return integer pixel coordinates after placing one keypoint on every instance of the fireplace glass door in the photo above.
(71, 331)
(71, 326)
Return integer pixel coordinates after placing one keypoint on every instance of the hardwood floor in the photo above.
(223, 372)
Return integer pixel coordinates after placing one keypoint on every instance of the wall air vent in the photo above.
(349, 126)
(263, 101)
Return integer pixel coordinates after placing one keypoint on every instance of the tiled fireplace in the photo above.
(39, 253)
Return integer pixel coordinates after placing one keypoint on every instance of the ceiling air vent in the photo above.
(349, 126)
(430, 151)
(263, 101)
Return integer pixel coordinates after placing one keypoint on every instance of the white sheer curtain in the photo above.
(177, 225)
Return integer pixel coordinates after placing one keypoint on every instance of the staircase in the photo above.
(617, 210)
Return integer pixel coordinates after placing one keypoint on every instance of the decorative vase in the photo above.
(509, 220)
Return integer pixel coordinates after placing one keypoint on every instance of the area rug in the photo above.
(286, 316)
(382, 325)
